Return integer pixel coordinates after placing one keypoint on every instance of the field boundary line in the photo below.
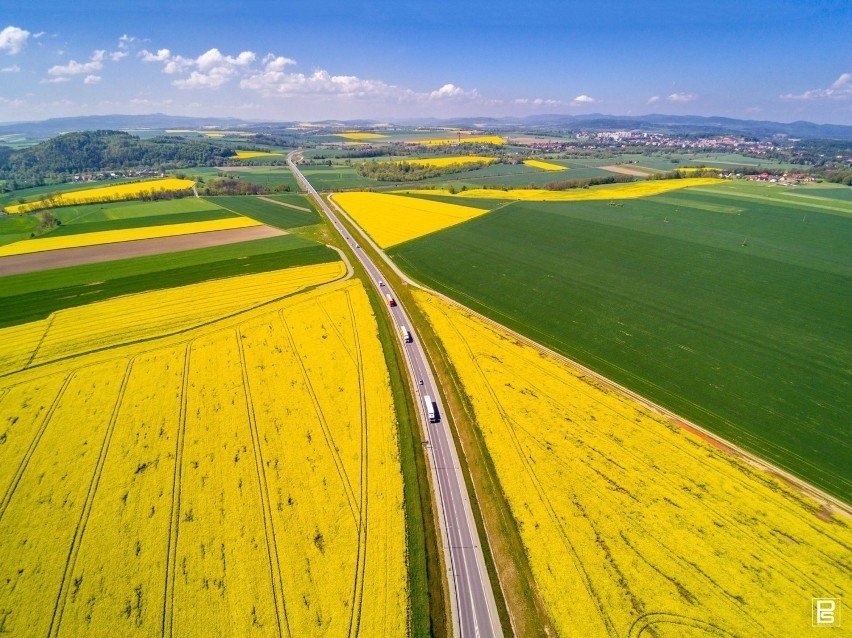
(275, 201)
(233, 315)
(329, 439)
(798, 483)
(734, 450)
(174, 524)
(263, 485)
(34, 354)
(80, 529)
(361, 560)
(720, 515)
(22, 467)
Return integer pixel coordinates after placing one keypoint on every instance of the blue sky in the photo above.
(283, 60)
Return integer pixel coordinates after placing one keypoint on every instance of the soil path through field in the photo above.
(18, 264)
(275, 201)
(624, 170)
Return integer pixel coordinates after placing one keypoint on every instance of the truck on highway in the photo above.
(406, 335)
(391, 300)
(431, 412)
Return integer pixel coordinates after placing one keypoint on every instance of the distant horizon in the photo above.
(766, 60)
(401, 121)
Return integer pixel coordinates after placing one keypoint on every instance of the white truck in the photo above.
(405, 334)
(431, 412)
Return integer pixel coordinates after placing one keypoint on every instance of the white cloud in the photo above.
(681, 98)
(56, 80)
(540, 101)
(448, 90)
(95, 63)
(160, 56)
(92, 79)
(115, 56)
(277, 63)
(11, 69)
(653, 99)
(13, 39)
(840, 89)
(583, 99)
(211, 69)
(272, 80)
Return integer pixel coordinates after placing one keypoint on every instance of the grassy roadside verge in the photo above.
(428, 608)
(520, 607)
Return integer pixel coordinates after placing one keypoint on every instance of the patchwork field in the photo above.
(545, 166)
(52, 260)
(392, 219)
(61, 241)
(496, 140)
(615, 191)
(280, 211)
(632, 525)
(240, 477)
(727, 305)
(247, 155)
(442, 162)
(132, 190)
(359, 137)
(35, 295)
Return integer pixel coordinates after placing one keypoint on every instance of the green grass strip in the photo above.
(33, 296)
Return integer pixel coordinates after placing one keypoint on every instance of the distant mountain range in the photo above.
(677, 124)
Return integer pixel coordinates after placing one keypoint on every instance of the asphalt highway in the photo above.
(474, 611)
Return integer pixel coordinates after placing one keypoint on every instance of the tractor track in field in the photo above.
(80, 529)
(266, 507)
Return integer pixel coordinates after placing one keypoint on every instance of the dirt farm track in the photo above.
(18, 264)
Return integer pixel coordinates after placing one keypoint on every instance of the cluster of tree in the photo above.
(568, 184)
(96, 151)
(407, 172)
(47, 221)
(839, 176)
(358, 153)
(235, 186)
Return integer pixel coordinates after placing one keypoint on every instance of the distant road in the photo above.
(474, 611)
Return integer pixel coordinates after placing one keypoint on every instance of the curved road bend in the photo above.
(474, 611)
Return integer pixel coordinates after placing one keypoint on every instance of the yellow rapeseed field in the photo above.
(355, 135)
(237, 478)
(125, 319)
(630, 522)
(115, 193)
(472, 139)
(242, 155)
(691, 170)
(42, 244)
(630, 190)
(393, 219)
(449, 161)
(545, 166)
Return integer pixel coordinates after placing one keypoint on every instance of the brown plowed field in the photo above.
(17, 264)
(625, 170)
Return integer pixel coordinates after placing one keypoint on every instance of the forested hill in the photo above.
(91, 151)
